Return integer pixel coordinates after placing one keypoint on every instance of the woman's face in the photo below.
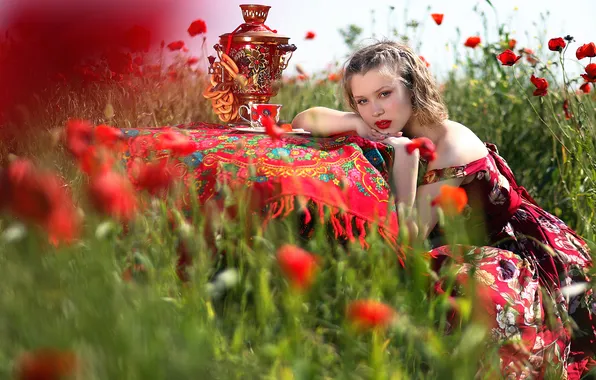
(382, 101)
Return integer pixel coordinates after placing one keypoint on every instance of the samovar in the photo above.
(251, 61)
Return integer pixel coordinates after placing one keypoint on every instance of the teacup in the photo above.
(258, 111)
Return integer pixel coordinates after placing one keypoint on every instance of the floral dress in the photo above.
(522, 256)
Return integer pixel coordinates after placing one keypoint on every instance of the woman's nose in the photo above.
(377, 110)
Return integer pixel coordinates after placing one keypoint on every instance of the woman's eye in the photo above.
(385, 93)
(361, 101)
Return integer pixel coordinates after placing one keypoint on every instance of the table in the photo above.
(344, 174)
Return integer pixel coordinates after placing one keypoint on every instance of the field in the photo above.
(113, 303)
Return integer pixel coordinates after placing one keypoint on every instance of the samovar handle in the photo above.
(287, 48)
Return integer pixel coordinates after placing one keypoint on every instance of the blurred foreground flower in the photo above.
(46, 364)
(298, 266)
(176, 45)
(273, 130)
(112, 194)
(40, 198)
(370, 314)
(425, 146)
(452, 200)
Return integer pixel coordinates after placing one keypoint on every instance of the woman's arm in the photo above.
(427, 214)
(322, 121)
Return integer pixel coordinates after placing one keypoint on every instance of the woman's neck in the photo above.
(433, 132)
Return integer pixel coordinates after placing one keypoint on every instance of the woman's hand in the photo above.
(363, 130)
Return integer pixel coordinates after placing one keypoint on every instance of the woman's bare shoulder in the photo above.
(459, 146)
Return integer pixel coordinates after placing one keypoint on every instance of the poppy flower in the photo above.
(590, 75)
(452, 200)
(424, 61)
(310, 35)
(425, 146)
(512, 43)
(530, 57)
(586, 50)
(191, 61)
(370, 314)
(46, 363)
(334, 77)
(107, 136)
(79, 136)
(297, 265)
(438, 17)
(541, 85)
(585, 88)
(197, 27)
(177, 143)
(176, 45)
(472, 42)
(156, 177)
(568, 114)
(556, 44)
(95, 160)
(112, 194)
(40, 198)
(272, 129)
(508, 58)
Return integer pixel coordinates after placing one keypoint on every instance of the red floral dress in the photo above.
(519, 251)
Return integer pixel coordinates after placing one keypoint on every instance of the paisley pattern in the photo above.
(345, 172)
(542, 253)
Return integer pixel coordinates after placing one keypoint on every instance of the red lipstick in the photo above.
(383, 124)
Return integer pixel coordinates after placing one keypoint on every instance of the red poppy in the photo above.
(585, 88)
(41, 198)
(556, 44)
(156, 177)
(107, 136)
(541, 85)
(79, 135)
(112, 194)
(472, 42)
(590, 75)
(424, 61)
(176, 45)
(452, 200)
(334, 77)
(370, 314)
(425, 146)
(586, 50)
(177, 143)
(197, 27)
(512, 43)
(310, 35)
(297, 265)
(272, 129)
(508, 58)
(568, 114)
(95, 160)
(46, 364)
(530, 57)
(438, 17)
(192, 60)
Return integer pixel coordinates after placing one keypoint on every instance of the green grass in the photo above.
(154, 327)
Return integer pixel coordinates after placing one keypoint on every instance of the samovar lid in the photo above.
(254, 28)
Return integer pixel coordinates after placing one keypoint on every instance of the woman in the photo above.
(394, 98)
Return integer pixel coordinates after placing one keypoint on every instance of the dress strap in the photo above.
(460, 171)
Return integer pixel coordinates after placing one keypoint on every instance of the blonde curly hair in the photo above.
(397, 59)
